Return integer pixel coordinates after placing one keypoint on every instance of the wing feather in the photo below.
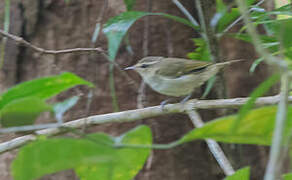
(179, 67)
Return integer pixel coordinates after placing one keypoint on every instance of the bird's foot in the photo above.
(186, 99)
(163, 103)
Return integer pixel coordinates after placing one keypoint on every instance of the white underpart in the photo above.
(182, 85)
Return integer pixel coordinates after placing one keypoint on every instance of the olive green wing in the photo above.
(176, 67)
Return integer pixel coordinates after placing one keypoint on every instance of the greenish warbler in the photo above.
(176, 76)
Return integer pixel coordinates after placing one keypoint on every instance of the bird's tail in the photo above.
(223, 64)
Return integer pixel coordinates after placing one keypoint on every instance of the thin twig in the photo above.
(100, 19)
(185, 12)
(138, 114)
(25, 43)
(275, 162)
(208, 35)
(213, 145)
(239, 18)
(21, 41)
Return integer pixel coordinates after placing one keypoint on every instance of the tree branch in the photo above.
(186, 12)
(213, 145)
(25, 43)
(133, 115)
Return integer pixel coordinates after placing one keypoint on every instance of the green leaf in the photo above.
(93, 157)
(227, 19)
(201, 52)
(52, 155)
(61, 107)
(267, 18)
(22, 111)
(209, 86)
(255, 128)
(287, 176)
(95, 33)
(259, 91)
(42, 88)
(116, 28)
(221, 9)
(285, 36)
(225, 16)
(255, 64)
(241, 174)
(268, 42)
(129, 4)
(128, 161)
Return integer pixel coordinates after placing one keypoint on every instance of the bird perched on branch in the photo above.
(176, 76)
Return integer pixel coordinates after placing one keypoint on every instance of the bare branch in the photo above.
(133, 115)
(25, 43)
(213, 145)
(186, 12)
(98, 26)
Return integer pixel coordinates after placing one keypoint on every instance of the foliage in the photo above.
(61, 107)
(201, 52)
(255, 128)
(23, 103)
(278, 38)
(116, 28)
(22, 111)
(241, 174)
(92, 157)
(259, 91)
(287, 176)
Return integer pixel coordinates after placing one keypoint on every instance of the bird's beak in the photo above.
(130, 68)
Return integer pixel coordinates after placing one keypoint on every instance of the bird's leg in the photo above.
(163, 103)
(186, 99)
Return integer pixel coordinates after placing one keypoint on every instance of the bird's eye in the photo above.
(144, 65)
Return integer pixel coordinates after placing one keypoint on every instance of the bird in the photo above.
(176, 77)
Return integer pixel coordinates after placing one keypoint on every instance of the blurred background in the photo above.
(60, 24)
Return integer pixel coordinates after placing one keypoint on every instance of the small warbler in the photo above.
(176, 76)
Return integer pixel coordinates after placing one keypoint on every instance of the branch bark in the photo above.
(133, 115)
(213, 145)
(25, 43)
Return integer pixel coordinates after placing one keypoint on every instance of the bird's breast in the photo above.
(173, 87)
